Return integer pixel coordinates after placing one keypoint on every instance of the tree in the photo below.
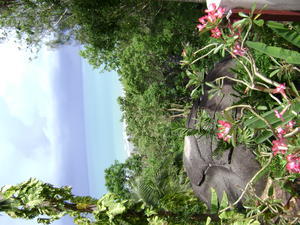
(33, 22)
(104, 25)
(35, 199)
(119, 176)
(100, 23)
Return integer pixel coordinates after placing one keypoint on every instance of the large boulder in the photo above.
(230, 171)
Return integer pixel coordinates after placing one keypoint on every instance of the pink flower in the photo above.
(211, 17)
(280, 132)
(203, 19)
(290, 124)
(279, 146)
(201, 27)
(279, 114)
(224, 128)
(220, 12)
(211, 8)
(293, 163)
(280, 89)
(290, 157)
(222, 135)
(216, 33)
(238, 50)
(213, 13)
(224, 123)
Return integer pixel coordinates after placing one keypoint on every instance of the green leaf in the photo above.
(116, 209)
(256, 122)
(208, 220)
(190, 83)
(274, 72)
(223, 52)
(240, 22)
(241, 14)
(289, 56)
(194, 92)
(271, 191)
(211, 85)
(294, 89)
(224, 202)
(259, 23)
(217, 49)
(214, 201)
(253, 222)
(262, 107)
(253, 7)
(289, 35)
(264, 136)
(275, 25)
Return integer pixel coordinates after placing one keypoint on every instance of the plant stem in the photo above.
(236, 80)
(294, 132)
(207, 46)
(267, 80)
(246, 35)
(252, 111)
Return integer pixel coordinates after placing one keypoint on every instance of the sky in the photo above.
(60, 121)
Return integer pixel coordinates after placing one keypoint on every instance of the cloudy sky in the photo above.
(47, 122)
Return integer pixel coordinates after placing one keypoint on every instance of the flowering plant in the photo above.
(224, 129)
(269, 107)
(232, 38)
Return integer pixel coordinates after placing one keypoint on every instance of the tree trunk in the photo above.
(88, 209)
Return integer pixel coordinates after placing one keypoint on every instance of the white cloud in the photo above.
(27, 115)
(25, 85)
(29, 131)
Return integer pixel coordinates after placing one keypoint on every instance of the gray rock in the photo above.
(229, 173)
(232, 170)
(225, 97)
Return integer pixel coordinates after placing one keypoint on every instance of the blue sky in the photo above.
(59, 121)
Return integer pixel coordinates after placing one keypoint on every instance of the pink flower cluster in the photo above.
(214, 14)
(211, 21)
(224, 128)
(280, 146)
(293, 164)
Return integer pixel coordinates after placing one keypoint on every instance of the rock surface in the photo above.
(233, 169)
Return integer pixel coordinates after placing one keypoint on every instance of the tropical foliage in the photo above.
(269, 104)
(162, 52)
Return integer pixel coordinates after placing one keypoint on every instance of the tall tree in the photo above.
(103, 24)
(34, 21)
(119, 176)
(34, 199)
